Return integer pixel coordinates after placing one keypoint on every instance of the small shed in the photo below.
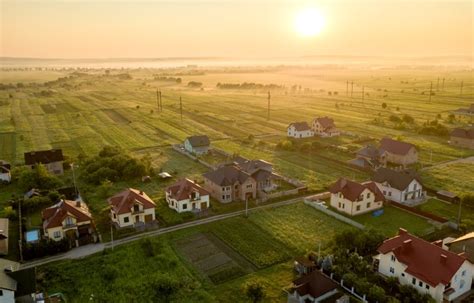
(448, 196)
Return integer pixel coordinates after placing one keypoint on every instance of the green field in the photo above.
(457, 178)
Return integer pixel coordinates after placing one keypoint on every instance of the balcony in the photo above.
(69, 226)
(137, 211)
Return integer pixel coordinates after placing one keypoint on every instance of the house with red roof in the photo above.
(355, 198)
(131, 208)
(186, 195)
(426, 266)
(69, 219)
(324, 127)
(299, 130)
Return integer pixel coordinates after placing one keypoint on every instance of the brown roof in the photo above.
(314, 284)
(182, 189)
(44, 156)
(395, 147)
(300, 126)
(326, 122)
(463, 133)
(351, 190)
(251, 166)
(198, 141)
(54, 216)
(227, 175)
(123, 202)
(397, 179)
(369, 151)
(426, 261)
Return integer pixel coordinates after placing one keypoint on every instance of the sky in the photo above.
(233, 28)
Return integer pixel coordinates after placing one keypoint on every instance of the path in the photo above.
(87, 250)
(461, 160)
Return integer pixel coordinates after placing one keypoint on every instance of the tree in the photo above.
(384, 105)
(39, 178)
(165, 288)
(255, 291)
(376, 294)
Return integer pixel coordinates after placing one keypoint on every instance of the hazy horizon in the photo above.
(78, 29)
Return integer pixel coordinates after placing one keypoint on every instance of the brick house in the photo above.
(398, 152)
(355, 198)
(52, 159)
(324, 127)
(229, 183)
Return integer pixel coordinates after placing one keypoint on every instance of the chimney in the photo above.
(443, 258)
(438, 243)
(141, 192)
(78, 203)
(402, 231)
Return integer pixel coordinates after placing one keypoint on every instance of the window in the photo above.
(358, 208)
(414, 186)
(368, 195)
(392, 270)
(69, 221)
(227, 197)
(368, 205)
(427, 286)
(115, 216)
(1, 292)
(463, 273)
(393, 258)
(361, 197)
(384, 192)
(420, 284)
(389, 193)
(57, 234)
(236, 186)
(126, 219)
(185, 206)
(461, 284)
(249, 185)
(223, 197)
(413, 281)
(403, 274)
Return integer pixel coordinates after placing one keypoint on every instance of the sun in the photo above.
(309, 22)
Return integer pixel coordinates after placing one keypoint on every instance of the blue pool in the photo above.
(32, 235)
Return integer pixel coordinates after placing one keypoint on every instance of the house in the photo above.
(71, 220)
(304, 266)
(299, 130)
(4, 236)
(198, 145)
(52, 159)
(186, 195)
(355, 198)
(16, 285)
(462, 137)
(368, 158)
(131, 208)
(314, 287)
(398, 152)
(402, 186)
(324, 127)
(463, 244)
(229, 183)
(447, 196)
(469, 112)
(5, 175)
(425, 266)
(261, 171)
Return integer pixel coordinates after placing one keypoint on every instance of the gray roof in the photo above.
(227, 175)
(198, 141)
(44, 156)
(369, 151)
(463, 133)
(250, 166)
(397, 179)
(7, 282)
(300, 126)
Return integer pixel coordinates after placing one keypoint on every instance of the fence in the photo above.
(419, 212)
(179, 149)
(334, 214)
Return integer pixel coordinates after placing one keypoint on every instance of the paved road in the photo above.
(461, 160)
(86, 250)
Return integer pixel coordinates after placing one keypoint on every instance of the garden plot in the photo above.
(116, 116)
(213, 258)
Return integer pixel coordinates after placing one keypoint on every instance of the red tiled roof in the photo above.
(123, 202)
(351, 190)
(463, 133)
(426, 261)
(54, 216)
(182, 189)
(395, 147)
(44, 156)
(315, 284)
(326, 122)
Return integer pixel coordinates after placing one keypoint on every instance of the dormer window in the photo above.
(68, 221)
(136, 207)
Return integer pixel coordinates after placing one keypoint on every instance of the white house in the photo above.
(299, 130)
(313, 287)
(5, 174)
(185, 195)
(69, 219)
(197, 145)
(324, 127)
(400, 186)
(355, 198)
(425, 266)
(131, 208)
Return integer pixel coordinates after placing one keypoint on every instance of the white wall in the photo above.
(344, 205)
(5, 177)
(179, 205)
(120, 220)
(292, 132)
(8, 296)
(398, 195)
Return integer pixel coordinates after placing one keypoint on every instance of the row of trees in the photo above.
(248, 85)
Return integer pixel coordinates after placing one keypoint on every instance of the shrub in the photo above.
(394, 118)
(255, 291)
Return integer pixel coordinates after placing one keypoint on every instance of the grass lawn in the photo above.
(447, 210)
(457, 178)
(392, 219)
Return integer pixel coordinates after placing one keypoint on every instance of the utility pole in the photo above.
(158, 100)
(431, 90)
(462, 82)
(268, 112)
(20, 241)
(443, 85)
(74, 179)
(459, 214)
(363, 88)
(347, 88)
(352, 88)
(437, 85)
(181, 108)
(161, 103)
